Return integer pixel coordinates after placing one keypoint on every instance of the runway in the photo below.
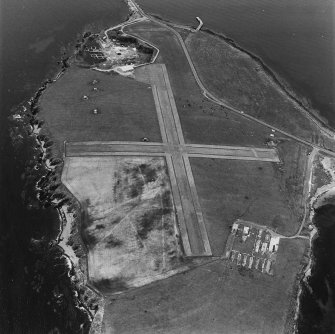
(177, 153)
(154, 149)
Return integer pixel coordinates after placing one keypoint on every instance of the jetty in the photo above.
(200, 23)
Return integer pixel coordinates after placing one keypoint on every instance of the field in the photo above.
(237, 79)
(248, 190)
(216, 298)
(129, 224)
(292, 174)
(125, 108)
(202, 121)
(148, 205)
(270, 194)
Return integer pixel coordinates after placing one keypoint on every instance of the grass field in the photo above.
(126, 109)
(270, 194)
(216, 298)
(292, 174)
(237, 79)
(248, 190)
(129, 224)
(202, 121)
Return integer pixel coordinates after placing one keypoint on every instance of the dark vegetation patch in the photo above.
(166, 200)
(149, 173)
(116, 220)
(150, 218)
(85, 218)
(90, 48)
(116, 284)
(278, 222)
(112, 241)
(243, 271)
(117, 188)
(147, 222)
(136, 188)
(99, 226)
(90, 239)
(139, 176)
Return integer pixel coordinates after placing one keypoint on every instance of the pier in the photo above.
(200, 23)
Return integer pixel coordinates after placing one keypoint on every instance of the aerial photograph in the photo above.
(167, 167)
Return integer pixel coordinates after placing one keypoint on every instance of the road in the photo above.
(177, 153)
(214, 99)
(244, 114)
(77, 149)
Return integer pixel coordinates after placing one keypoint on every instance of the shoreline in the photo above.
(321, 196)
(66, 218)
(277, 79)
(67, 238)
(48, 166)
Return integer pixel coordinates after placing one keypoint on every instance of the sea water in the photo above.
(295, 38)
(34, 36)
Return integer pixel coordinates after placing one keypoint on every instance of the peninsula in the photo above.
(188, 181)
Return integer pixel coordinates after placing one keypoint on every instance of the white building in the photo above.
(274, 244)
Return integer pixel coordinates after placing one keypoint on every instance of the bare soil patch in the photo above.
(129, 223)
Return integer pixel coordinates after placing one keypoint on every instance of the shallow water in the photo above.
(295, 38)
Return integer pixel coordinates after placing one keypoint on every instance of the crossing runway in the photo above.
(177, 153)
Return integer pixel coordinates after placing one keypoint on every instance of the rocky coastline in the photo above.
(65, 248)
(300, 101)
(315, 300)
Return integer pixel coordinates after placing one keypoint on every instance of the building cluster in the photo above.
(252, 246)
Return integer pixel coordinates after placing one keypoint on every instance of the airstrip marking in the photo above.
(177, 153)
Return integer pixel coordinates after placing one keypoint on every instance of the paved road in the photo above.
(214, 99)
(190, 217)
(76, 149)
(218, 101)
